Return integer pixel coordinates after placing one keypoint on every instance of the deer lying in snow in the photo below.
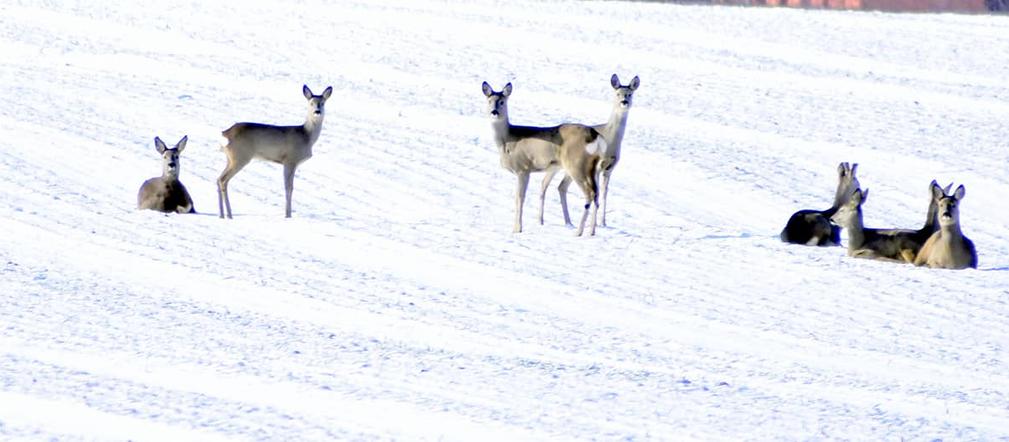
(813, 227)
(913, 240)
(524, 149)
(948, 248)
(895, 245)
(166, 193)
(613, 132)
(287, 145)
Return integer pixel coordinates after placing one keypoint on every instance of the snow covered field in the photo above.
(397, 304)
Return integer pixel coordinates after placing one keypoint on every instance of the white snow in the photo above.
(397, 304)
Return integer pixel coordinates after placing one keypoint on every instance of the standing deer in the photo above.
(813, 227)
(948, 248)
(863, 242)
(287, 145)
(574, 147)
(166, 193)
(613, 132)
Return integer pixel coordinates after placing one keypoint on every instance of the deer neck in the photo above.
(613, 130)
(951, 231)
(931, 220)
(501, 128)
(313, 127)
(856, 232)
(842, 190)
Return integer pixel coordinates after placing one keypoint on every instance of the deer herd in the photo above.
(587, 155)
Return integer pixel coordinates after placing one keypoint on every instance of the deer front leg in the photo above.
(907, 255)
(288, 187)
(547, 177)
(520, 196)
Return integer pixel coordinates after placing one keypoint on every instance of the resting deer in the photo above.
(574, 147)
(287, 145)
(613, 132)
(813, 227)
(882, 244)
(915, 239)
(948, 248)
(166, 193)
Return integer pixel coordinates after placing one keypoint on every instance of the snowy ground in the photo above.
(396, 303)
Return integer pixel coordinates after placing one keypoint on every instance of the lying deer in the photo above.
(287, 145)
(166, 193)
(883, 244)
(913, 240)
(524, 149)
(813, 227)
(948, 248)
(613, 132)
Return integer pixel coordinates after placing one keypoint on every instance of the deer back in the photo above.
(279, 144)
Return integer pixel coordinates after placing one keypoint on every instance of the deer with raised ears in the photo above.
(813, 227)
(948, 248)
(613, 132)
(575, 148)
(166, 193)
(913, 240)
(287, 145)
(863, 242)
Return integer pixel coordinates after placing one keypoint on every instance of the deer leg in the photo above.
(907, 255)
(595, 204)
(562, 188)
(588, 186)
(547, 177)
(222, 185)
(604, 186)
(288, 187)
(520, 196)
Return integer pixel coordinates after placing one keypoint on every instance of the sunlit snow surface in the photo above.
(396, 303)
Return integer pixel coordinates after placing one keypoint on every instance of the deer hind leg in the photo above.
(547, 177)
(587, 183)
(234, 166)
(562, 188)
(604, 187)
(520, 196)
(288, 187)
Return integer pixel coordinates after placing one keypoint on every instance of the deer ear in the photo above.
(182, 143)
(852, 170)
(306, 91)
(615, 81)
(635, 82)
(859, 196)
(938, 192)
(960, 191)
(160, 145)
(507, 90)
(327, 93)
(842, 169)
(487, 90)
